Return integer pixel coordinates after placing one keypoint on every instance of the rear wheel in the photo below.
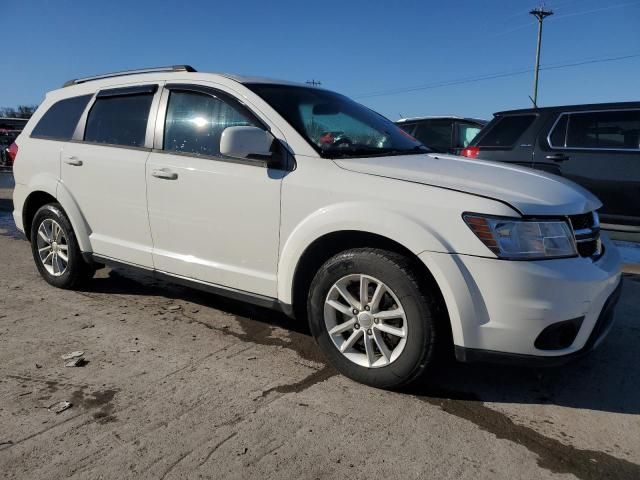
(55, 249)
(373, 317)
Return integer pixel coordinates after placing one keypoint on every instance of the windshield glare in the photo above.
(336, 126)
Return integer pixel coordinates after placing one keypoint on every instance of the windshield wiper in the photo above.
(374, 152)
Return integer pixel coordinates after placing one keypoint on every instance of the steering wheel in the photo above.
(335, 139)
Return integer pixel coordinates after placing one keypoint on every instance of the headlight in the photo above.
(523, 239)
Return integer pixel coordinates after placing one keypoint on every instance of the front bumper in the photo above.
(599, 332)
(498, 308)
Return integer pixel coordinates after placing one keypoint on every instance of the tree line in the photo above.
(21, 111)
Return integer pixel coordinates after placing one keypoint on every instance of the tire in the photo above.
(402, 363)
(50, 221)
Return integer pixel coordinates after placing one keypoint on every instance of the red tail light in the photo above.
(12, 153)
(470, 152)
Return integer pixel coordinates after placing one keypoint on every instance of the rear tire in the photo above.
(55, 249)
(380, 314)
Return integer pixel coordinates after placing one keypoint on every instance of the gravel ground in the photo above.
(182, 384)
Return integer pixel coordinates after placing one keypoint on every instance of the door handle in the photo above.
(164, 174)
(558, 157)
(75, 161)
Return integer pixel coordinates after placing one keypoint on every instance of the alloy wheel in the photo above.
(53, 248)
(365, 320)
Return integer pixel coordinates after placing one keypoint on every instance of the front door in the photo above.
(213, 219)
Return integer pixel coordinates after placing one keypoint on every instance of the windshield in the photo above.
(336, 126)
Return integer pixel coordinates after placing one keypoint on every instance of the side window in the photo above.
(60, 121)
(506, 131)
(612, 130)
(466, 133)
(435, 134)
(558, 136)
(119, 120)
(195, 121)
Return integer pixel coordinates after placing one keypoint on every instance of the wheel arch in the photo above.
(42, 194)
(330, 244)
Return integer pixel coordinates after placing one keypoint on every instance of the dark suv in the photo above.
(596, 146)
(443, 134)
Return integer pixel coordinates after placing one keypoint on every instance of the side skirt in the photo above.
(227, 292)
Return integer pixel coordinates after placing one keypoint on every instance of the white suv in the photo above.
(299, 199)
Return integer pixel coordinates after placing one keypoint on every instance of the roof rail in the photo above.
(171, 68)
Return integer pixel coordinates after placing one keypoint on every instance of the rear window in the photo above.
(506, 131)
(119, 120)
(59, 122)
(618, 130)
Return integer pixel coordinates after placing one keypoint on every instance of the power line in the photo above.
(492, 76)
(559, 17)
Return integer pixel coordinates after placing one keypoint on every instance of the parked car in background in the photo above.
(596, 146)
(7, 137)
(443, 134)
(299, 199)
(10, 128)
(16, 124)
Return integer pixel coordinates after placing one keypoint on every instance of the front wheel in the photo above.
(373, 317)
(55, 249)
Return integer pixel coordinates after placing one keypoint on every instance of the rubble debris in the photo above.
(76, 362)
(60, 407)
(69, 356)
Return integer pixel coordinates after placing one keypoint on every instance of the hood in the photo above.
(529, 191)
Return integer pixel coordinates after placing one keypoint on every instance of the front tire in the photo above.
(55, 249)
(373, 317)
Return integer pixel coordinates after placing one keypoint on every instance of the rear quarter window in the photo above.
(60, 121)
(506, 131)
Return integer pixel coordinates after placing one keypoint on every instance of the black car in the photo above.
(443, 134)
(596, 146)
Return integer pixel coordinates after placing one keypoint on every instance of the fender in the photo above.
(352, 216)
(78, 222)
(48, 183)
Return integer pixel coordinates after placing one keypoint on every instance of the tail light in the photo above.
(470, 152)
(12, 153)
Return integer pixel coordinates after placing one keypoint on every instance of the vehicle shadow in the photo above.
(126, 281)
(607, 380)
(6, 204)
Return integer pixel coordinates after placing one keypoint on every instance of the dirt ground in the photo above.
(182, 384)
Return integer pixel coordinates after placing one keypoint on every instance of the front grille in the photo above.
(586, 229)
(582, 221)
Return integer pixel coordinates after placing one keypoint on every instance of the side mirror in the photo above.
(246, 142)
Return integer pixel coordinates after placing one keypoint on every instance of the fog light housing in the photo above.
(560, 335)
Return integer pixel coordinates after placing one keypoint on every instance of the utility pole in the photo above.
(313, 82)
(540, 13)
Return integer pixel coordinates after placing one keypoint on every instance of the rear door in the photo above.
(104, 169)
(599, 150)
